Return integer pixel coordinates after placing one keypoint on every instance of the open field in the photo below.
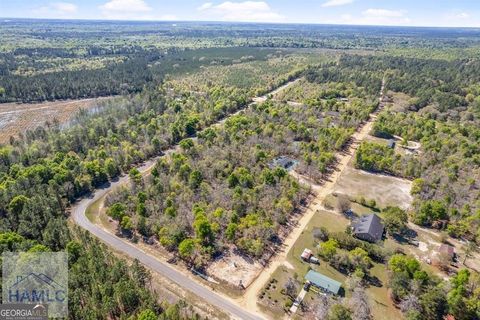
(385, 190)
(16, 118)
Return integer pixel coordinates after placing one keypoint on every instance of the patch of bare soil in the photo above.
(398, 101)
(385, 190)
(234, 269)
(19, 117)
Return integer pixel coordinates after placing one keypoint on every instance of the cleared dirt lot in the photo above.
(235, 269)
(19, 117)
(385, 190)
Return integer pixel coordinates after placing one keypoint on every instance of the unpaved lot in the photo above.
(235, 269)
(385, 190)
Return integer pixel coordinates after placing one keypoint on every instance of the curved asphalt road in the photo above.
(163, 269)
(78, 214)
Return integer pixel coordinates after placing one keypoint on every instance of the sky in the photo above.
(444, 13)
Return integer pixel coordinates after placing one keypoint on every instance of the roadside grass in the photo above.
(92, 211)
(330, 203)
(271, 300)
(97, 215)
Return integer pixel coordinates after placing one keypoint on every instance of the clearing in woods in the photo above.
(16, 118)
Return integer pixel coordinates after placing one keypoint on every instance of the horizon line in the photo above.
(240, 22)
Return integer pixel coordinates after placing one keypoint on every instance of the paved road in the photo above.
(78, 214)
(151, 262)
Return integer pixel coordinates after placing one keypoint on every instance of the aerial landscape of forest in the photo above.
(217, 170)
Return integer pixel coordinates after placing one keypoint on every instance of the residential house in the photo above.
(369, 228)
(322, 282)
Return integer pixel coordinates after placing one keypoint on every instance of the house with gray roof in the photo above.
(283, 162)
(369, 228)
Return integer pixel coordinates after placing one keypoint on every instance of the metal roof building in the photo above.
(322, 282)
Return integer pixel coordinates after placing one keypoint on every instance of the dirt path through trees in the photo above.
(249, 300)
(178, 276)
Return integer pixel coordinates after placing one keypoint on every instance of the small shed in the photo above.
(322, 282)
(306, 254)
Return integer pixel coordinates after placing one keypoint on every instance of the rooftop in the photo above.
(284, 162)
(371, 224)
(306, 254)
(324, 282)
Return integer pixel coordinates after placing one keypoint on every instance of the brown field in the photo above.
(19, 117)
(385, 190)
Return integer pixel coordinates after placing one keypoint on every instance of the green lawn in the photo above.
(271, 299)
(382, 307)
(334, 223)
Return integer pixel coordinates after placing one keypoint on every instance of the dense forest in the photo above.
(31, 75)
(44, 170)
(443, 116)
(225, 189)
(100, 284)
(447, 170)
(221, 190)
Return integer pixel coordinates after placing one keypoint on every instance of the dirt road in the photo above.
(246, 307)
(78, 214)
(250, 297)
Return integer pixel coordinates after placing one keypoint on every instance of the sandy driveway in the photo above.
(249, 299)
(184, 280)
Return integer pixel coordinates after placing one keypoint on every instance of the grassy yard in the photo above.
(334, 223)
(381, 304)
(272, 300)
(382, 307)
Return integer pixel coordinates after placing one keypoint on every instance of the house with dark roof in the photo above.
(323, 283)
(369, 228)
(283, 162)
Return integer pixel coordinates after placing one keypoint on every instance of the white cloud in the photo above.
(126, 9)
(64, 7)
(248, 11)
(375, 16)
(125, 6)
(205, 6)
(384, 13)
(462, 15)
(53, 10)
(168, 17)
(336, 3)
